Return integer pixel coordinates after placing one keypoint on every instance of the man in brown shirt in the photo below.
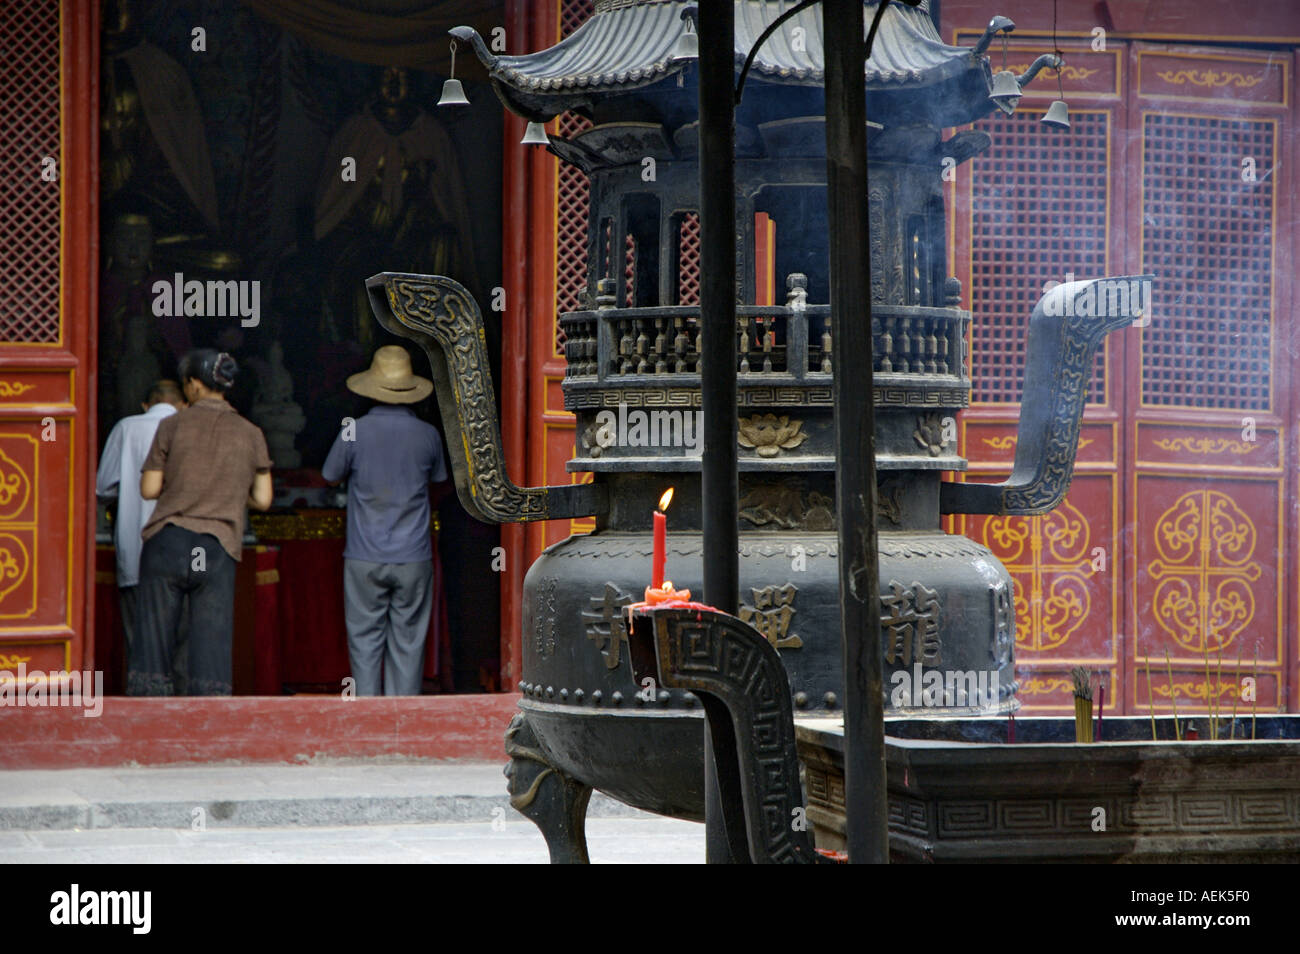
(206, 466)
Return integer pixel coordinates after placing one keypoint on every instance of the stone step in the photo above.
(264, 796)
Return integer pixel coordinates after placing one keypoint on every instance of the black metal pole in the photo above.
(718, 385)
(867, 832)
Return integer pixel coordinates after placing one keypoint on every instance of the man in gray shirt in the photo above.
(389, 458)
(119, 477)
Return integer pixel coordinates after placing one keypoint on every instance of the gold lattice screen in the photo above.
(29, 137)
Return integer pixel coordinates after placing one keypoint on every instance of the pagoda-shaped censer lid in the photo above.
(633, 44)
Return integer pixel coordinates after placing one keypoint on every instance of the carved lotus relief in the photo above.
(769, 435)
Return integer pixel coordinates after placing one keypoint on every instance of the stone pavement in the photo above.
(645, 840)
(347, 811)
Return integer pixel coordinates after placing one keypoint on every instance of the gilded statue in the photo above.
(391, 195)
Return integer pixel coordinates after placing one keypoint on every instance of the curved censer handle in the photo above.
(1067, 326)
(443, 318)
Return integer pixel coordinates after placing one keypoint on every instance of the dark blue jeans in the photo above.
(177, 564)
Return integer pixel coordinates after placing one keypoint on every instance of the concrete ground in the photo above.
(327, 812)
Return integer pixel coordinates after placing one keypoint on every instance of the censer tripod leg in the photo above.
(553, 801)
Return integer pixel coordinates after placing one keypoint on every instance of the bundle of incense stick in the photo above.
(1232, 732)
(1151, 702)
(1173, 697)
(1209, 700)
(1254, 697)
(1082, 704)
(1218, 697)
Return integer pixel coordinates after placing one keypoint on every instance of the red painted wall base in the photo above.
(255, 729)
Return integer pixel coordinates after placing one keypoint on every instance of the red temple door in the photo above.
(47, 371)
(1210, 490)
(1174, 535)
(1037, 206)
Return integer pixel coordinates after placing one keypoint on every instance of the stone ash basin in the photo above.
(958, 792)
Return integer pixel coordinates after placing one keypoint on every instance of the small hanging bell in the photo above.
(1057, 115)
(453, 94)
(688, 45)
(535, 135)
(1006, 91)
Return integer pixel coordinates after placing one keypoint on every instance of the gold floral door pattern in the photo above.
(1050, 559)
(1203, 595)
(17, 525)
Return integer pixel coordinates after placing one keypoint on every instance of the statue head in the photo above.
(118, 22)
(393, 107)
(395, 85)
(130, 244)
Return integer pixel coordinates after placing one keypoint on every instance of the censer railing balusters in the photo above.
(591, 348)
(796, 342)
(793, 339)
(642, 346)
(626, 344)
(742, 320)
(766, 328)
(681, 345)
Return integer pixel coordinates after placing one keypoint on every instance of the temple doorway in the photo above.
(271, 163)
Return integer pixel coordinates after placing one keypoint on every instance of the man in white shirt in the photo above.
(119, 476)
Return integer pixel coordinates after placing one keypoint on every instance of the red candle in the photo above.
(661, 541)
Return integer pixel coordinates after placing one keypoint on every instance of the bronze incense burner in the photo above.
(634, 385)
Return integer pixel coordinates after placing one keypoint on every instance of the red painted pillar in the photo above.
(80, 284)
(528, 232)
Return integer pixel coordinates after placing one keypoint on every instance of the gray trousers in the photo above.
(387, 608)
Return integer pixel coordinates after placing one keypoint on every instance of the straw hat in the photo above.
(390, 379)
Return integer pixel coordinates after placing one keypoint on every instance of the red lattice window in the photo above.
(1038, 213)
(1207, 236)
(688, 259)
(29, 133)
(573, 14)
(572, 198)
(573, 195)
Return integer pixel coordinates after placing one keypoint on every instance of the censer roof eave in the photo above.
(626, 46)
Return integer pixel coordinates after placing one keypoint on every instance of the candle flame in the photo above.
(666, 499)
